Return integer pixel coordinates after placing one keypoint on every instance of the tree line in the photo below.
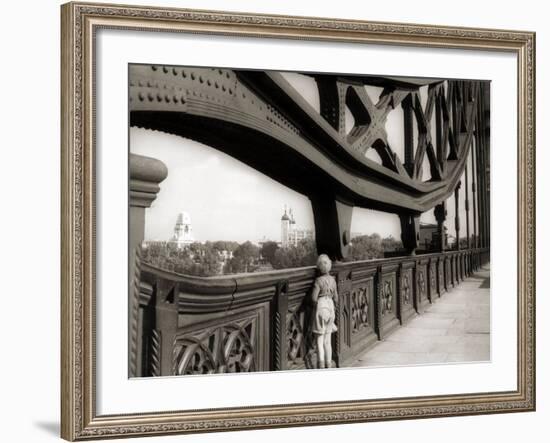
(230, 257)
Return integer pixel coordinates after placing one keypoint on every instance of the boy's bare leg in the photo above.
(320, 350)
(328, 349)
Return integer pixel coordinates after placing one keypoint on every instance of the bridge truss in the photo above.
(182, 324)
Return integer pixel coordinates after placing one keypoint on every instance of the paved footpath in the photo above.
(453, 329)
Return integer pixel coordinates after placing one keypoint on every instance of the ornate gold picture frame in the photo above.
(80, 23)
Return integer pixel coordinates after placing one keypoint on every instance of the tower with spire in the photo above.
(285, 229)
(291, 234)
(183, 231)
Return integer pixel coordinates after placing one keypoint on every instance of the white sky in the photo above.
(228, 200)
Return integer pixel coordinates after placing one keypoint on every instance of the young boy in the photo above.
(324, 296)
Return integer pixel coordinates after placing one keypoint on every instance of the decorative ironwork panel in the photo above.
(387, 297)
(407, 293)
(342, 346)
(387, 300)
(360, 308)
(227, 348)
(296, 339)
(363, 315)
(421, 283)
(407, 287)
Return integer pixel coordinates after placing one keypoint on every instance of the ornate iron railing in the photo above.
(260, 321)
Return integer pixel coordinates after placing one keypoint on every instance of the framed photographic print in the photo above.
(283, 221)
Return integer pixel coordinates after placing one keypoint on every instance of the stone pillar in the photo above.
(145, 175)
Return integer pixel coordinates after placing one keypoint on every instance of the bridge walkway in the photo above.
(456, 328)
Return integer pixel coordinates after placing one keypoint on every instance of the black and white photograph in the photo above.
(306, 221)
(275, 221)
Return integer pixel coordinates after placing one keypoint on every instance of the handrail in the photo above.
(224, 282)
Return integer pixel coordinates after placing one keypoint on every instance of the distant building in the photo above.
(429, 237)
(225, 255)
(291, 234)
(183, 231)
